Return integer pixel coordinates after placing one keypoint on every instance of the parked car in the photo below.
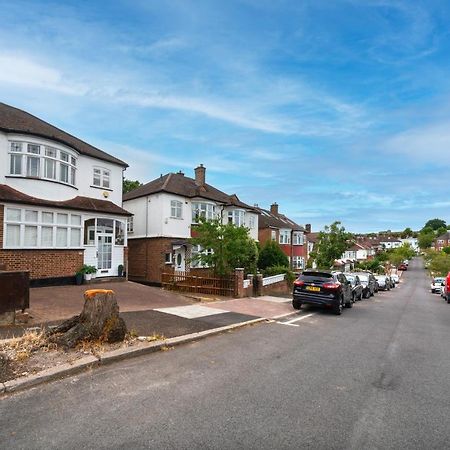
(369, 283)
(396, 278)
(402, 266)
(321, 288)
(357, 288)
(436, 284)
(391, 281)
(383, 282)
(445, 293)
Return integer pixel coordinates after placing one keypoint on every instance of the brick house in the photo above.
(166, 211)
(60, 202)
(291, 236)
(442, 241)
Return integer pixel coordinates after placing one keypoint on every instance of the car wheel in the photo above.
(338, 308)
(371, 294)
(360, 296)
(349, 304)
(448, 299)
(296, 304)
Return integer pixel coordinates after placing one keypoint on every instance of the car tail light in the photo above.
(332, 285)
(299, 283)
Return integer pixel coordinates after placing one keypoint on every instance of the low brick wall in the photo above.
(282, 287)
(43, 263)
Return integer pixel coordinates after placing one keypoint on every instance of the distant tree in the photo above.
(435, 224)
(440, 231)
(271, 255)
(407, 232)
(228, 247)
(129, 185)
(331, 244)
(425, 239)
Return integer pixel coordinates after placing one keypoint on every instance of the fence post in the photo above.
(259, 285)
(239, 283)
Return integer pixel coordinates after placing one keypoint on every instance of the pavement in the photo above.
(149, 310)
(374, 378)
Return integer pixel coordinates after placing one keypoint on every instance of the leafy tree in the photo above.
(331, 243)
(129, 185)
(398, 255)
(440, 264)
(407, 232)
(435, 224)
(440, 231)
(271, 255)
(425, 239)
(231, 247)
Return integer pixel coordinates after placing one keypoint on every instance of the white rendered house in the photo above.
(165, 212)
(60, 201)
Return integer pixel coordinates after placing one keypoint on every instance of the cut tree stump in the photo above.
(99, 320)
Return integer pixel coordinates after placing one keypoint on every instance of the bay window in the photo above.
(285, 236)
(298, 238)
(205, 210)
(236, 217)
(41, 161)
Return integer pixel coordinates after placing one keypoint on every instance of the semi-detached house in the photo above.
(165, 213)
(60, 202)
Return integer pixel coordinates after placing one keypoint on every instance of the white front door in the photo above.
(180, 259)
(104, 254)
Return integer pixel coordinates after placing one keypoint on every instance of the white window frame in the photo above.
(130, 224)
(285, 237)
(298, 262)
(203, 209)
(176, 209)
(168, 260)
(40, 224)
(195, 250)
(273, 235)
(104, 177)
(298, 238)
(236, 217)
(251, 221)
(25, 152)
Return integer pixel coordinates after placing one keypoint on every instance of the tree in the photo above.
(331, 244)
(129, 185)
(440, 231)
(425, 239)
(440, 264)
(407, 232)
(271, 255)
(226, 247)
(436, 224)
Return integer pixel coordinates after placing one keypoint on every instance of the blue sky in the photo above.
(337, 110)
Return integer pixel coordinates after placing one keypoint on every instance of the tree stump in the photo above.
(99, 320)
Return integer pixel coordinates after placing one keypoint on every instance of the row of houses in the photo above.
(61, 206)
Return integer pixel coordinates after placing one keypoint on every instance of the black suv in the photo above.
(328, 289)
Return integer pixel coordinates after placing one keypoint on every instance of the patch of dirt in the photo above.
(33, 353)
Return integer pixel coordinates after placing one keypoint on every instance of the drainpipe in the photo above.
(146, 235)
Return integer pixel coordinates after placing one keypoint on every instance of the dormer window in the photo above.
(101, 178)
(44, 162)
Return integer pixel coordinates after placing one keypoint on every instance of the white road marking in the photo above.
(299, 318)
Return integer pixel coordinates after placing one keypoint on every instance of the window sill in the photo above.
(42, 179)
(176, 218)
(101, 188)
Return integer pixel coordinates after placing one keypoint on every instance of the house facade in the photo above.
(165, 214)
(289, 235)
(60, 202)
(442, 241)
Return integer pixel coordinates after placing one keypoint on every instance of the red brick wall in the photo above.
(40, 263)
(283, 287)
(146, 258)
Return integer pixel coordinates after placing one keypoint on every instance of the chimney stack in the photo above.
(200, 175)
(308, 228)
(274, 208)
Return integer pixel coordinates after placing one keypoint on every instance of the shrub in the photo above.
(271, 255)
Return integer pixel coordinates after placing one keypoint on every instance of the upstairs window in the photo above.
(176, 209)
(236, 217)
(251, 221)
(298, 238)
(205, 210)
(130, 224)
(285, 236)
(273, 235)
(101, 178)
(39, 161)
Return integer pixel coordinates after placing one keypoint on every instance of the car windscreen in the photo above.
(364, 278)
(311, 276)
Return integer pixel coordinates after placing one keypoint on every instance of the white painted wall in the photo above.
(51, 190)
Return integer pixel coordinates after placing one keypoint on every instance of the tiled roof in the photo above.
(8, 194)
(444, 237)
(270, 220)
(312, 237)
(18, 121)
(179, 184)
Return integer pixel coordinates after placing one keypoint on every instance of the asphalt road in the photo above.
(375, 377)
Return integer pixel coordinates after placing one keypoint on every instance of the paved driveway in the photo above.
(49, 304)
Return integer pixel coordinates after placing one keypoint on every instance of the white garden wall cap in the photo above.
(16, 120)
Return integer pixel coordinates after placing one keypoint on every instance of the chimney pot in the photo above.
(200, 175)
(274, 208)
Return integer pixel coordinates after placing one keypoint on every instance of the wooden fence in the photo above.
(206, 283)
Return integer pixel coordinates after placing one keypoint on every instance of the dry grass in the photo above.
(21, 348)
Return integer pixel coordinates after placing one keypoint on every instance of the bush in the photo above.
(271, 255)
(277, 270)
